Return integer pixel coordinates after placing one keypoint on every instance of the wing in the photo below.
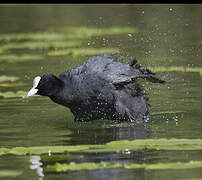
(128, 73)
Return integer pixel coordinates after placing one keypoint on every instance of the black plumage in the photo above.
(103, 88)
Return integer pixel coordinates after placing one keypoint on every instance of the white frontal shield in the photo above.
(35, 84)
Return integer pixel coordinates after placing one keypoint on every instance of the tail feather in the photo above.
(132, 62)
(139, 73)
(138, 66)
(145, 73)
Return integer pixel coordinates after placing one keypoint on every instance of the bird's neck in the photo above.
(62, 95)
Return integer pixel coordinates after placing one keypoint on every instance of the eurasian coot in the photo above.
(103, 88)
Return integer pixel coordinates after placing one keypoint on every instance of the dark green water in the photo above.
(168, 35)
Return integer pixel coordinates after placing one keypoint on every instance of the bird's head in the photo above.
(45, 85)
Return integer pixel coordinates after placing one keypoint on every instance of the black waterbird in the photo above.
(103, 88)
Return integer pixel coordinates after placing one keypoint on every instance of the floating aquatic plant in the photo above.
(9, 173)
(46, 36)
(177, 69)
(12, 58)
(87, 32)
(9, 81)
(69, 33)
(114, 146)
(58, 167)
(5, 78)
(82, 51)
(10, 94)
(58, 157)
(12, 84)
(39, 45)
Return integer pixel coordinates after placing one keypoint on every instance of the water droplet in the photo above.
(49, 152)
(126, 151)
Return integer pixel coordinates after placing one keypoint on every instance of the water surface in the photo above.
(167, 36)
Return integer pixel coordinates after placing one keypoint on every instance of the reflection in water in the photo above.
(96, 133)
(131, 133)
(36, 165)
(169, 35)
(125, 157)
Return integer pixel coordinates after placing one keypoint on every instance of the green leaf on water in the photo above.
(45, 36)
(58, 157)
(44, 149)
(3, 150)
(19, 58)
(5, 78)
(81, 32)
(82, 51)
(9, 81)
(12, 84)
(10, 94)
(9, 173)
(87, 32)
(114, 146)
(33, 45)
(58, 167)
(176, 68)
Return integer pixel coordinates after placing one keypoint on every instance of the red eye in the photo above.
(41, 83)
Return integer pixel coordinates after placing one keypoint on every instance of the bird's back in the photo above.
(106, 67)
(105, 88)
(88, 80)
